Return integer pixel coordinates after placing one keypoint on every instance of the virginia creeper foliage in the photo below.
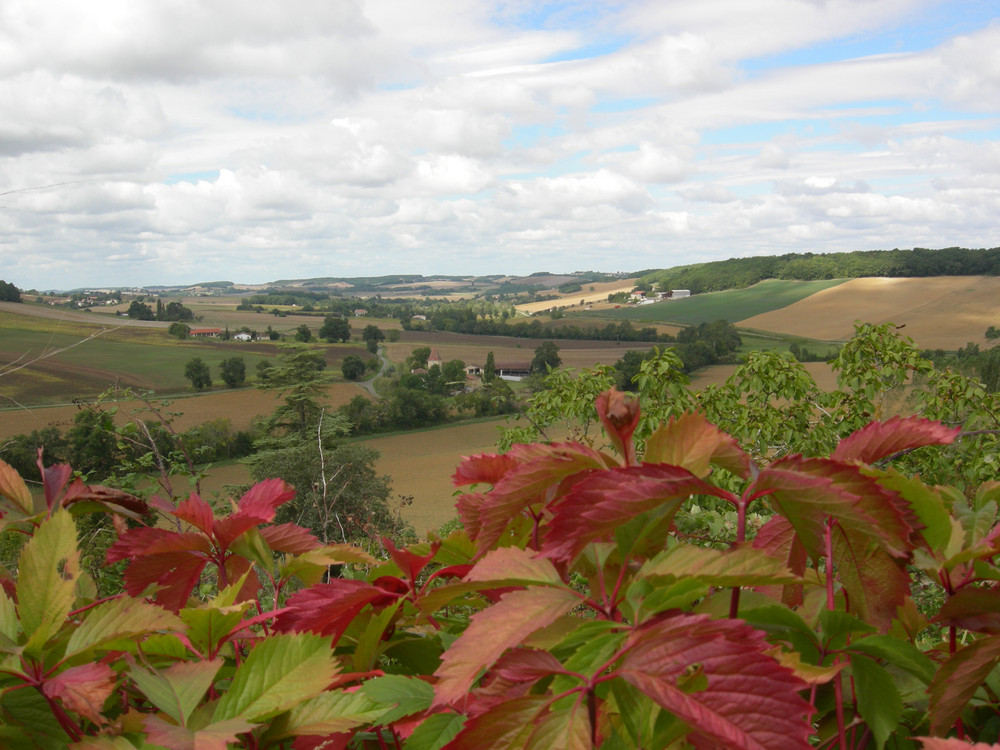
(571, 611)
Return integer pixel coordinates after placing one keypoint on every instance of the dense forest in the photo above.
(736, 273)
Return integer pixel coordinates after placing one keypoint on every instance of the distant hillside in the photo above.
(737, 273)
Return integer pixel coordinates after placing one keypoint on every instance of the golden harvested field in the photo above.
(718, 374)
(420, 464)
(943, 312)
(600, 294)
(239, 406)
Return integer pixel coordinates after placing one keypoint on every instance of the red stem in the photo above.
(741, 536)
(838, 688)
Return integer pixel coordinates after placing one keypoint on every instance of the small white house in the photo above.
(242, 336)
(680, 293)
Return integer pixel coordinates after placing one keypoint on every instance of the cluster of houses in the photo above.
(214, 333)
(648, 298)
(503, 370)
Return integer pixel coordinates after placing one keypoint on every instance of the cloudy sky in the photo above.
(177, 141)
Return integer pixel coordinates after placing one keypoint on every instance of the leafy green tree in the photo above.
(91, 443)
(418, 358)
(180, 330)
(303, 334)
(372, 332)
(140, 311)
(352, 367)
(9, 292)
(263, 367)
(489, 369)
(392, 335)
(299, 378)
(546, 357)
(990, 370)
(335, 328)
(233, 371)
(198, 373)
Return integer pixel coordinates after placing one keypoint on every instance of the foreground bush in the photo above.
(570, 612)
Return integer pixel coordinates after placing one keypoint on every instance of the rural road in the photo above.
(369, 384)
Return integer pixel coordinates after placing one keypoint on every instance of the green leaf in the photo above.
(740, 566)
(280, 672)
(435, 731)
(564, 728)
(46, 582)
(120, 618)
(328, 713)
(926, 502)
(209, 624)
(10, 626)
(837, 624)
(897, 652)
(178, 689)
(401, 695)
(878, 700)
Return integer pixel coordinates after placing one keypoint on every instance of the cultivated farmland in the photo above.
(943, 312)
(731, 305)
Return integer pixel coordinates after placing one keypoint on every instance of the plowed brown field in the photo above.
(943, 312)
(240, 407)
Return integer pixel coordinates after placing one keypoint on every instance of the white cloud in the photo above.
(146, 142)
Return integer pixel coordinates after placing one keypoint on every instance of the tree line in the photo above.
(736, 273)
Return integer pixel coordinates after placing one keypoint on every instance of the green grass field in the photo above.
(732, 305)
(68, 361)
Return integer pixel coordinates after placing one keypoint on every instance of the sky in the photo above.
(147, 142)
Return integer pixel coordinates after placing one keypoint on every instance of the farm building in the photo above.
(679, 293)
(206, 332)
(242, 336)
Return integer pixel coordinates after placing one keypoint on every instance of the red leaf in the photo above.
(715, 677)
(957, 680)
(777, 538)
(54, 479)
(142, 542)
(227, 530)
(328, 608)
(539, 469)
(604, 500)
(409, 563)
(952, 743)
(876, 583)
(175, 573)
(691, 441)
(264, 498)
(491, 632)
(527, 665)
(878, 440)
(196, 512)
(807, 491)
(289, 538)
(112, 500)
(486, 468)
(500, 727)
(83, 689)
(972, 609)
(620, 416)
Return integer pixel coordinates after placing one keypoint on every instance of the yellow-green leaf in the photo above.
(120, 618)
(280, 672)
(47, 572)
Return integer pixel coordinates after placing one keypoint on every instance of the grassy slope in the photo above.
(732, 305)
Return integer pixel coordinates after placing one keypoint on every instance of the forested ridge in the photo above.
(736, 273)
